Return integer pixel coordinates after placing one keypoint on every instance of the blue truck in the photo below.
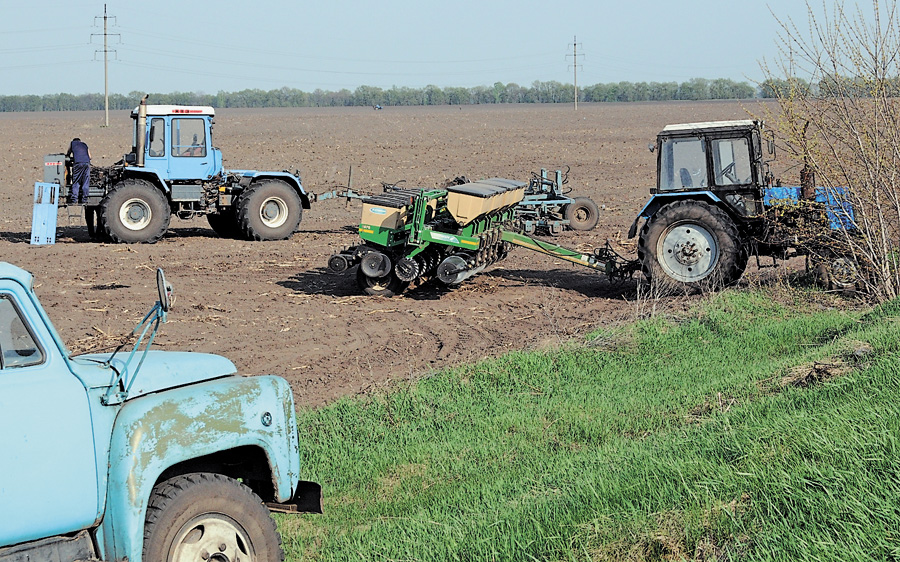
(146, 455)
(173, 168)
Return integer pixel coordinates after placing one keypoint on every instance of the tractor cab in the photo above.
(723, 157)
(175, 141)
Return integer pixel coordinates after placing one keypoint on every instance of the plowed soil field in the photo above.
(272, 307)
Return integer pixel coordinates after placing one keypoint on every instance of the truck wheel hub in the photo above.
(212, 538)
(135, 214)
(688, 252)
(273, 212)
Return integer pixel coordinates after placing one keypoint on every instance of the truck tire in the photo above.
(269, 210)
(224, 223)
(192, 517)
(386, 286)
(691, 244)
(582, 214)
(134, 211)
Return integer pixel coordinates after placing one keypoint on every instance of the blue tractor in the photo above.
(173, 168)
(716, 204)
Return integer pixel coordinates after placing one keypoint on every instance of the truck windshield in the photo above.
(682, 163)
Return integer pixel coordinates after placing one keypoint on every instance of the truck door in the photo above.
(190, 154)
(48, 471)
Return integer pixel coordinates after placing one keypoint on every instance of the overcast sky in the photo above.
(52, 46)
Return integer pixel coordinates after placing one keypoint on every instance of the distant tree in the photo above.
(456, 96)
(434, 95)
(368, 95)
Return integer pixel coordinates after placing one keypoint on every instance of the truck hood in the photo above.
(160, 370)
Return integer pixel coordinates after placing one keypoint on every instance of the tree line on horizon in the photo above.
(695, 89)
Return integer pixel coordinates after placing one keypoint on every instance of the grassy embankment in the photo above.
(762, 425)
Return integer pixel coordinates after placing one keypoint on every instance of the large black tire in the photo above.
(691, 244)
(224, 223)
(582, 214)
(269, 210)
(192, 517)
(386, 286)
(134, 211)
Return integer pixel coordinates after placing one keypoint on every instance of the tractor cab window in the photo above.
(157, 145)
(17, 346)
(731, 161)
(682, 164)
(188, 137)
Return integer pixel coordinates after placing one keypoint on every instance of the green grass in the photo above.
(671, 439)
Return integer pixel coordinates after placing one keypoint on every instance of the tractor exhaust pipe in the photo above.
(141, 132)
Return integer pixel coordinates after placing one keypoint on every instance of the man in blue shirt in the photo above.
(81, 171)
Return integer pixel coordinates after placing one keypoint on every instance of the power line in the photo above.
(106, 52)
(574, 66)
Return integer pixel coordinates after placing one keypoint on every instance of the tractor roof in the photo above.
(707, 125)
(177, 110)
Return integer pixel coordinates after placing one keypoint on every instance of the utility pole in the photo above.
(106, 52)
(574, 56)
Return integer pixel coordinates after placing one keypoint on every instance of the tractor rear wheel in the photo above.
(224, 223)
(207, 516)
(386, 286)
(691, 244)
(582, 214)
(134, 211)
(269, 210)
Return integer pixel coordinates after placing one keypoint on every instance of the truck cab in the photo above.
(103, 453)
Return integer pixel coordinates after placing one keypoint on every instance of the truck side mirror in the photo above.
(165, 290)
(651, 147)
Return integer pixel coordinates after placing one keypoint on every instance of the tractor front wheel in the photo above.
(207, 516)
(582, 214)
(691, 244)
(134, 211)
(269, 210)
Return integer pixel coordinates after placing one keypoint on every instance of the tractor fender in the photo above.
(291, 179)
(147, 174)
(659, 200)
(157, 431)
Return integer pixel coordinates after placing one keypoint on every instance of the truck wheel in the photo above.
(205, 516)
(691, 244)
(269, 210)
(134, 211)
(386, 286)
(582, 214)
(224, 223)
